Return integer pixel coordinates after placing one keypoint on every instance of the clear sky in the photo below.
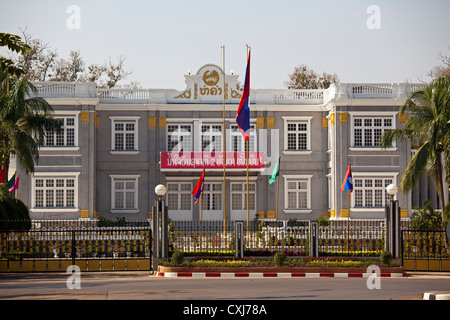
(161, 40)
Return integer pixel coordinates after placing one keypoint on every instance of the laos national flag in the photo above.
(348, 180)
(199, 187)
(243, 112)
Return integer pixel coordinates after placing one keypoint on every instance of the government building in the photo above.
(116, 145)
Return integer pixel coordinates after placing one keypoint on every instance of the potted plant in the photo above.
(67, 250)
(92, 250)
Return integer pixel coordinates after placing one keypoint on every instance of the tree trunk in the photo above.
(440, 190)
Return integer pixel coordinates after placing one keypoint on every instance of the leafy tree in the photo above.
(428, 125)
(441, 71)
(23, 121)
(306, 78)
(13, 43)
(41, 63)
(23, 117)
(426, 218)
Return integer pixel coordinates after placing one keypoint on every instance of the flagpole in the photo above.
(348, 217)
(278, 190)
(248, 143)
(278, 186)
(223, 136)
(201, 219)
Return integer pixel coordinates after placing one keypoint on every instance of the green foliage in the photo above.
(13, 43)
(279, 258)
(302, 262)
(386, 257)
(305, 78)
(14, 215)
(118, 222)
(177, 257)
(428, 110)
(350, 253)
(426, 218)
(323, 222)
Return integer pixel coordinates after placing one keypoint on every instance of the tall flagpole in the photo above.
(278, 186)
(248, 143)
(223, 136)
(348, 218)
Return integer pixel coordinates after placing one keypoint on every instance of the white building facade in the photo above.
(118, 144)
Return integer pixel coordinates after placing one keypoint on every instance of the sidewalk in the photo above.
(428, 275)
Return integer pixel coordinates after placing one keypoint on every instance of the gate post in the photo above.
(164, 231)
(393, 229)
(313, 239)
(74, 249)
(155, 235)
(160, 232)
(239, 239)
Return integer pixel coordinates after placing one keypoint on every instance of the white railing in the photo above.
(341, 91)
(372, 89)
(290, 95)
(51, 87)
(123, 94)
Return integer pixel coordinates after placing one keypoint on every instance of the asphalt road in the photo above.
(143, 286)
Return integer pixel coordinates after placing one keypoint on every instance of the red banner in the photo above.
(212, 160)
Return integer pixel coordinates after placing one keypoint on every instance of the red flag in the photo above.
(199, 186)
(347, 184)
(16, 185)
(243, 112)
(3, 175)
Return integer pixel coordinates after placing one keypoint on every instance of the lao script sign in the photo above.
(211, 160)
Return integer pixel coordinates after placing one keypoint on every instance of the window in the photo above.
(124, 134)
(239, 196)
(124, 193)
(212, 196)
(370, 192)
(367, 131)
(297, 134)
(297, 193)
(238, 141)
(55, 192)
(179, 196)
(179, 138)
(211, 138)
(67, 137)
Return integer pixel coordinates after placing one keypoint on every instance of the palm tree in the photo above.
(428, 125)
(24, 119)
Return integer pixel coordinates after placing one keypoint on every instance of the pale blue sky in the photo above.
(161, 40)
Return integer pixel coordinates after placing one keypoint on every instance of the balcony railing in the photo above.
(396, 91)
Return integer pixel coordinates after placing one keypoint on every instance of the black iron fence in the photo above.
(50, 248)
(75, 243)
(263, 237)
(425, 250)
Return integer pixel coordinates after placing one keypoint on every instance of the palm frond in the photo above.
(415, 168)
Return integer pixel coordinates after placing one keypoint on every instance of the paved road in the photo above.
(143, 286)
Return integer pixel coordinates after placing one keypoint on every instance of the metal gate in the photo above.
(425, 250)
(91, 249)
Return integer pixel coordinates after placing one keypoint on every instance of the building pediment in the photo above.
(208, 86)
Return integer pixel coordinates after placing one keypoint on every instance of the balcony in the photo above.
(343, 91)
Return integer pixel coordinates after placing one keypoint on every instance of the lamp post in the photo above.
(393, 236)
(160, 231)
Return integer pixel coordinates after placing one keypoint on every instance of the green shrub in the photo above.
(323, 222)
(386, 257)
(3, 218)
(14, 214)
(177, 257)
(279, 258)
